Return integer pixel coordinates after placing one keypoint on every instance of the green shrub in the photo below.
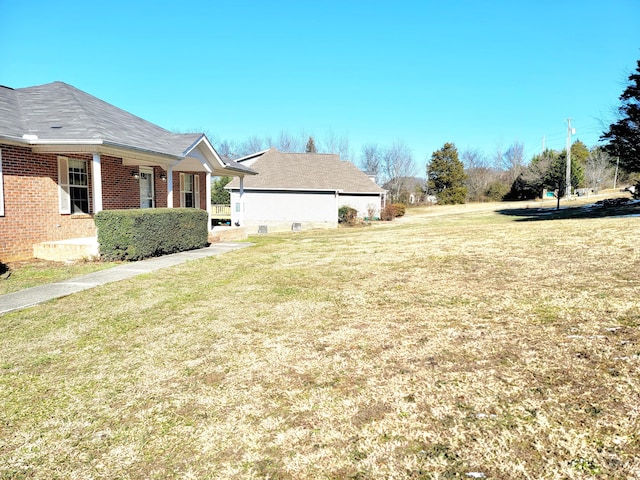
(452, 196)
(138, 234)
(496, 191)
(347, 215)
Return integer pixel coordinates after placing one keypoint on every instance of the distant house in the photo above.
(301, 191)
(410, 190)
(66, 155)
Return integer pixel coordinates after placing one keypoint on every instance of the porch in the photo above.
(220, 215)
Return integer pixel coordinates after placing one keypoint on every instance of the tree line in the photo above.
(453, 177)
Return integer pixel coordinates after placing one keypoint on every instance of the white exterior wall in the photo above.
(279, 210)
(362, 203)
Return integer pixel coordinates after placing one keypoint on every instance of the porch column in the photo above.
(96, 171)
(241, 213)
(170, 187)
(208, 198)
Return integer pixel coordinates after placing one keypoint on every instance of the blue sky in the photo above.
(480, 74)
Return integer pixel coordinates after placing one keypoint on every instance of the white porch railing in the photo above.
(221, 212)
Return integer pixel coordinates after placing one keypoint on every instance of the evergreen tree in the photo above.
(446, 176)
(579, 155)
(547, 171)
(531, 183)
(220, 196)
(311, 146)
(624, 135)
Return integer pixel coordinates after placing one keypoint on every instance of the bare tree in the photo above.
(252, 145)
(333, 143)
(287, 142)
(598, 169)
(397, 166)
(479, 174)
(498, 157)
(371, 159)
(537, 172)
(227, 149)
(513, 161)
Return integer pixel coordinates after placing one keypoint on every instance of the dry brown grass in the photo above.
(23, 274)
(458, 346)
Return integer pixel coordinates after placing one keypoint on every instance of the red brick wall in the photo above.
(31, 198)
(176, 189)
(31, 211)
(160, 187)
(120, 190)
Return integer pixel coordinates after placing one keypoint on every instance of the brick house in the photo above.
(65, 155)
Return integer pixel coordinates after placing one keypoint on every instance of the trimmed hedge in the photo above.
(137, 234)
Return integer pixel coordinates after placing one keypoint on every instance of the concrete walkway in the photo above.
(43, 293)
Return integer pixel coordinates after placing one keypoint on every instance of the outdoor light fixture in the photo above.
(163, 177)
(135, 174)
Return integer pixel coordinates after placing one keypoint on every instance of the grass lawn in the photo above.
(30, 273)
(476, 344)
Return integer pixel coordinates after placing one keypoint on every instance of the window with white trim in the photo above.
(1, 188)
(189, 190)
(73, 184)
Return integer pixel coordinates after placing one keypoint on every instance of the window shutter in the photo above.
(196, 191)
(63, 185)
(182, 190)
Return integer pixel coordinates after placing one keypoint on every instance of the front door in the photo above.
(146, 187)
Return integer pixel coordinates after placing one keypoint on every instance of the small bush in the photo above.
(496, 191)
(392, 210)
(5, 271)
(347, 215)
(399, 209)
(138, 234)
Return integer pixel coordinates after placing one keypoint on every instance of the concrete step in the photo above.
(227, 234)
(68, 250)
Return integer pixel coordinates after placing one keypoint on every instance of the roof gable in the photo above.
(305, 171)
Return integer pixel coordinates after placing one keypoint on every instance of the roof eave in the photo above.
(128, 153)
(222, 165)
(338, 190)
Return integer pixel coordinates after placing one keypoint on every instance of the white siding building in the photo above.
(300, 191)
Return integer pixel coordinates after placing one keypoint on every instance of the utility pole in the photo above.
(427, 182)
(570, 131)
(615, 178)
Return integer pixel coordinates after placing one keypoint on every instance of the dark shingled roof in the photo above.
(58, 112)
(305, 171)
